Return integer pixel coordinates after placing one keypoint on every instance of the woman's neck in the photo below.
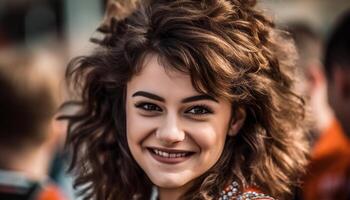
(172, 193)
(169, 194)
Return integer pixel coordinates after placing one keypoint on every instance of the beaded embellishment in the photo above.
(232, 192)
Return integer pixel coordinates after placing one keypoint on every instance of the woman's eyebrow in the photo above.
(185, 100)
(148, 95)
(198, 98)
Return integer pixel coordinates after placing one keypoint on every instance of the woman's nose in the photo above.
(169, 132)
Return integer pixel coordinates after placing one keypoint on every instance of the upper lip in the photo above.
(171, 150)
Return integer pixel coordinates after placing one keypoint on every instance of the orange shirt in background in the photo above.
(329, 170)
(51, 192)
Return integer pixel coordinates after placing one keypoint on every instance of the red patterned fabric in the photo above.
(253, 189)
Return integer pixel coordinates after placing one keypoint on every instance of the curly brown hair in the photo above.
(230, 50)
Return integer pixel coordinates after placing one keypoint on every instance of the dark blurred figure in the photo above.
(312, 85)
(29, 135)
(328, 177)
(313, 82)
(28, 21)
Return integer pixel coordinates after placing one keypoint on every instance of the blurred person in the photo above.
(29, 21)
(329, 171)
(29, 135)
(312, 84)
(313, 81)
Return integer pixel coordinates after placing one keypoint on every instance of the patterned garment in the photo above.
(231, 192)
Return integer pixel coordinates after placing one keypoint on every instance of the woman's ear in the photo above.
(237, 121)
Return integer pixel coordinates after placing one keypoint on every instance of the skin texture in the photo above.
(199, 126)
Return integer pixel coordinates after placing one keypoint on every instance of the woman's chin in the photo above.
(169, 183)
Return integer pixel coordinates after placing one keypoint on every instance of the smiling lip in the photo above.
(169, 156)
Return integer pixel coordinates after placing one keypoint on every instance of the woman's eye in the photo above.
(148, 107)
(199, 110)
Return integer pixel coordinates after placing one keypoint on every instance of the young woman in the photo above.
(188, 99)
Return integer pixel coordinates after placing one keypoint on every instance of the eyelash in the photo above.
(204, 108)
(150, 107)
(143, 107)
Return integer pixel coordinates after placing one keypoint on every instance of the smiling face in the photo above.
(174, 132)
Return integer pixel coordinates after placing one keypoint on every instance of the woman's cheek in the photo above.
(139, 126)
(203, 134)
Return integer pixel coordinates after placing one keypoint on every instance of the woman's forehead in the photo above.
(169, 83)
(153, 74)
(154, 58)
(196, 76)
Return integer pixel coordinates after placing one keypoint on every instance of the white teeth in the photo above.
(168, 154)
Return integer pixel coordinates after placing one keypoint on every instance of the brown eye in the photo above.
(199, 110)
(149, 107)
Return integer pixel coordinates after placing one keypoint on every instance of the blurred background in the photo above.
(54, 31)
(33, 22)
